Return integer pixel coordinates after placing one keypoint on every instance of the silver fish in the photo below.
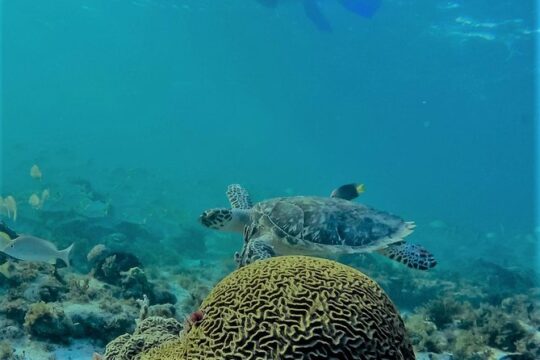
(31, 248)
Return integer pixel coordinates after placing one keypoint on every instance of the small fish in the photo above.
(37, 202)
(45, 194)
(31, 248)
(34, 201)
(8, 205)
(348, 192)
(35, 172)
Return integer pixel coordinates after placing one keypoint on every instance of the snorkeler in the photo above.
(364, 8)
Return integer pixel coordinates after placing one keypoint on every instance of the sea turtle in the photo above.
(311, 225)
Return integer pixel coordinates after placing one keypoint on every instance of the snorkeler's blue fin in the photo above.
(412, 255)
(313, 12)
(365, 8)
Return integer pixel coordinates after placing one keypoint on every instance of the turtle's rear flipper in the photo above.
(255, 248)
(412, 255)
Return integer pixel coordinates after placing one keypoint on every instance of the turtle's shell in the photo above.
(309, 220)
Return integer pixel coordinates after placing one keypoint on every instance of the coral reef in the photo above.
(449, 325)
(108, 265)
(477, 305)
(293, 307)
(6, 351)
(57, 307)
(47, 321)
(125, 271)
(100, 325)
(150, 333)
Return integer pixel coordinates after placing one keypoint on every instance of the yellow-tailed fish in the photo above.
(10, 205)
(45, 194)
(348, 191)
(35, 172)
(34, 201)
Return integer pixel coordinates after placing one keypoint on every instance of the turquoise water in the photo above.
(160, 104)
(242, 93)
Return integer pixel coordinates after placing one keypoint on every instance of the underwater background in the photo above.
(140, 113)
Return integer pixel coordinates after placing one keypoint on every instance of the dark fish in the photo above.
(348, 192)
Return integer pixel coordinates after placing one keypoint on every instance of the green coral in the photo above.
(447, 325)
(47, 321)
(424, 334)
(6, 351)
(499, 329)
(293, 307)
(446, 309)
(149, 333)
(14, 309)
(468, 344)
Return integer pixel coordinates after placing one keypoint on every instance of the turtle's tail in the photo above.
(412, 255)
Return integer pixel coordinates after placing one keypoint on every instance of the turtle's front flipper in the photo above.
(255, 248)
(412, 255)
(225, 219)
(238, 197)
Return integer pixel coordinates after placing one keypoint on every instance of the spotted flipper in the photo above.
(412, 255)
(255, 248)
(238, 197)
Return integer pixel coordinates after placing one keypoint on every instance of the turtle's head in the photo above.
(225, 219)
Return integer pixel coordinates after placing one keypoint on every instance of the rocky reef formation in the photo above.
(125, 271)
(149, 333)
(41, 304)
(477, 305)
(445, 325)
(58, 306)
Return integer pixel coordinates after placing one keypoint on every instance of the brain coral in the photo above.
(293, 307)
